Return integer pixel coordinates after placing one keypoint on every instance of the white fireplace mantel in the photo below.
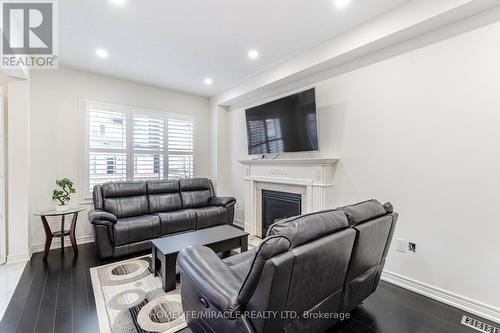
(291, 161)
(312, 178)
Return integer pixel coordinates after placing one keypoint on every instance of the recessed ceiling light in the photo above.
(101, 53)
(253, 54)
(118, 2)
(341, 4)
(208, 81)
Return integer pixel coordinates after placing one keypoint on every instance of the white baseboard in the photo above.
(472, 306)
(17, 258)
(56, 243)
(239, 223)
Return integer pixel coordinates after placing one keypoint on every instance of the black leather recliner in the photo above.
(320, 263)
(127, 215)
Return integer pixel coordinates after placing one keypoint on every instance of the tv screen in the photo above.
(284, 125)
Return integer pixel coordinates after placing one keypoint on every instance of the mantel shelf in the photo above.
(291, 161)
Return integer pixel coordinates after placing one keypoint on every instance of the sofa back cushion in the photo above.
(317, 280)
(195, 192)
(163, 196)
(97, 197)
(307, 228)
(125, 199)
(374, 225)
(364, 211)
(268, 248)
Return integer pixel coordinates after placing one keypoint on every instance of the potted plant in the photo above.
(62, 195)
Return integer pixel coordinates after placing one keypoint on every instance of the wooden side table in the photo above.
(71, 232)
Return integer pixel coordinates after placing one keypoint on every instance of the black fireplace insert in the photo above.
(277, 206)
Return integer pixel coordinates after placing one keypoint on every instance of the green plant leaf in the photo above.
(63, 195)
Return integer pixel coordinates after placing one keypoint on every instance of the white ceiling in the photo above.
(178, 43)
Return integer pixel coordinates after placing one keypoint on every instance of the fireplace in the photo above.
(311, 178)
(278, 205)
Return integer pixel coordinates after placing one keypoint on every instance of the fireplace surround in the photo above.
(311, 178)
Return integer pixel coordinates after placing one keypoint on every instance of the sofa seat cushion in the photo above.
(136, 229)
(240, 263)
(177, 221)
(240, 257)
(210, 216)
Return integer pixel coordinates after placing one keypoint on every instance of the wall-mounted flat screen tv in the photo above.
(286, 125)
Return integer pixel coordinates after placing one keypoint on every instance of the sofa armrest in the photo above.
(211, 276)
(222, 201)
(101, 217)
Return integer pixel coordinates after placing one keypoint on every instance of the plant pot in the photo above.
(62, 208)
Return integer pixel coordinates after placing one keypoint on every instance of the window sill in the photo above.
(86, 202)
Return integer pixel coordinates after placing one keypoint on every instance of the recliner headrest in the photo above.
(163, 186)
(123, 189)
(306, 228)
(366, 210)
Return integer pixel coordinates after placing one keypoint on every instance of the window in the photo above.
(148, 147)
(133, 144)
(111, 163)
(107, 145)
(180, 148)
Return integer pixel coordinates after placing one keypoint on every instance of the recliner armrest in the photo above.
(101, 217)
(211, 276)
(222, 201)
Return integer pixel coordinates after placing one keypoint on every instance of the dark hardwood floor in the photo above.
(56, 296)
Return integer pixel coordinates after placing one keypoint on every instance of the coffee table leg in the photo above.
(48, 237)
(244, 243)
(154, 259)
(168, 272)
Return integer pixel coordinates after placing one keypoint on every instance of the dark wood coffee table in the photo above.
(220, 239)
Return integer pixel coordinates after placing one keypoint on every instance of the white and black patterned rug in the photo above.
(130, 299)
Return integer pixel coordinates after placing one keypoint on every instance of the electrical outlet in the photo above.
(405, 246)
(402, 245)
(412, 247)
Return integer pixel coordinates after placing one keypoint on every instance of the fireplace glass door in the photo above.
(277, 206)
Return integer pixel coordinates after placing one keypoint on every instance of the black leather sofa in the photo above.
(307, 272)
(127, 215)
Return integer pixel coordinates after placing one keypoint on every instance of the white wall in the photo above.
(3, 155)
(18, 171)
(55, 142)
(420, 130)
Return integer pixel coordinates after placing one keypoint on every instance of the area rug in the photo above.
(130, 299)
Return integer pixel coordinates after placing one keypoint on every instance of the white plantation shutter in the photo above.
(107, 143)
(148, 147)
(180, 148)
(124, 143)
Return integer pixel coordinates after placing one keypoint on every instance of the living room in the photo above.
(264, 166)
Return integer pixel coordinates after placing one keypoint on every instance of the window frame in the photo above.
(130, 151)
